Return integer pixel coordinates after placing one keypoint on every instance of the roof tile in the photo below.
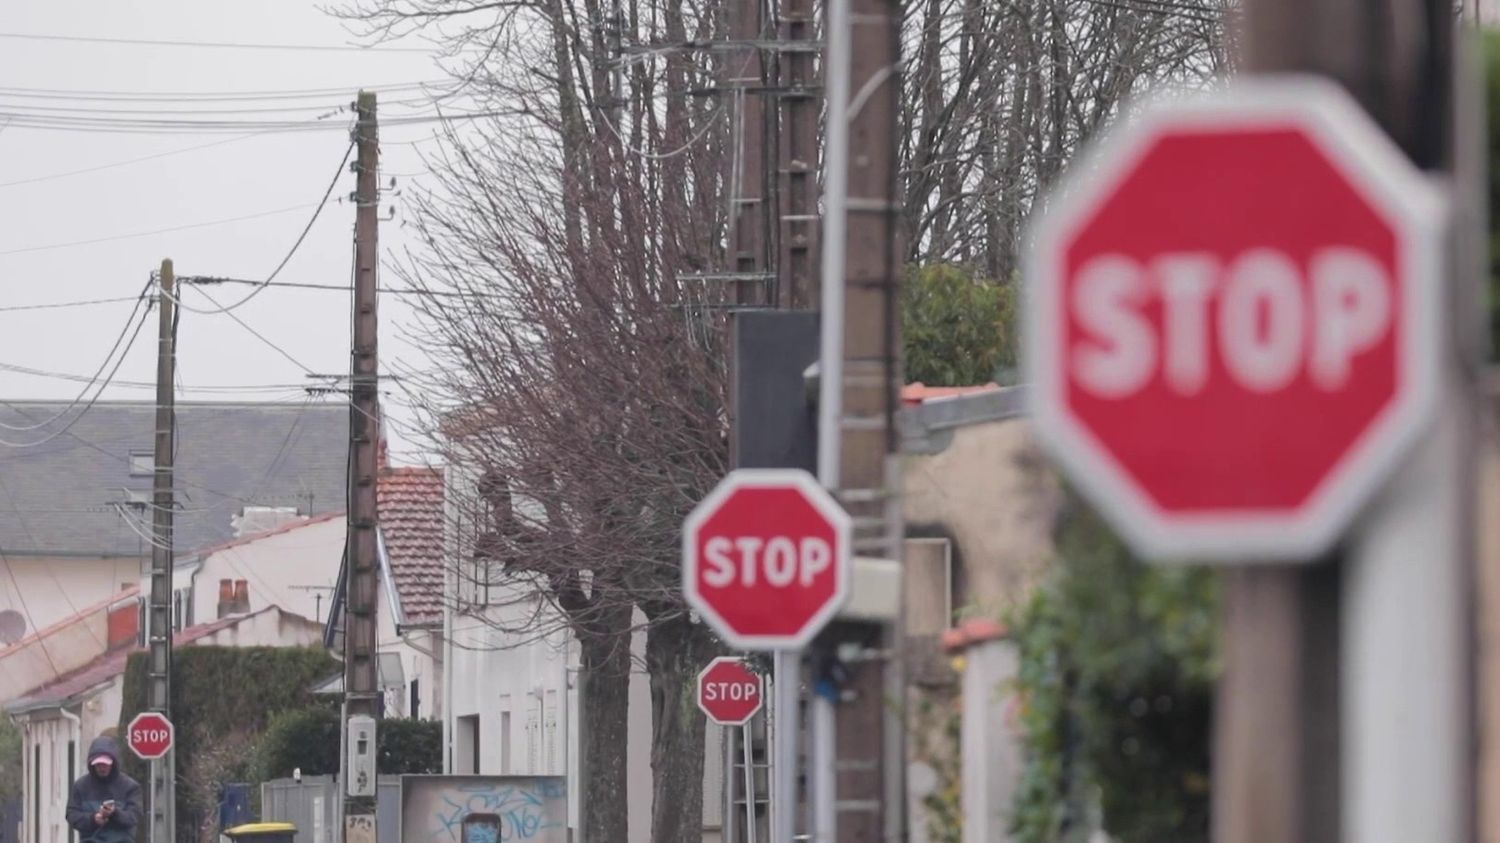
(411, 521)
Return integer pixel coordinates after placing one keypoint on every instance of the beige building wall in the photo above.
(988, 491)
(47, 590)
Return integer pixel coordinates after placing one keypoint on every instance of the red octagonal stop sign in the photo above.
(150, 735)
(765, 558)
(1231, 320)
(729, 692)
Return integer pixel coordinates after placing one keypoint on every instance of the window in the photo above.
(505, 743)
(466, 745)
(414, 705)
(142, 464)
(176, 610)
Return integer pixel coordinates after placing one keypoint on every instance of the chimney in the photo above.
(226, 598)
(241, 597)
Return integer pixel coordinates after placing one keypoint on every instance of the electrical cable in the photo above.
(243, 324)
(297, 244)
(188, 127)
(192, 96)
(395, 291)
(189, 226)
(53, 435)
(124, 330)
(235, 45)
(11, 308)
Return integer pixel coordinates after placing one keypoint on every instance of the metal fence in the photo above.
(312, 805)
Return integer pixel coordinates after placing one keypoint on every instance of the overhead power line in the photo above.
(231, 45)
(224, 96)
(302, 285)
(65, 304)
(133, 125)
(297, 244)
(186, 227)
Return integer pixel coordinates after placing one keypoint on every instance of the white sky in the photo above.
(235, 179)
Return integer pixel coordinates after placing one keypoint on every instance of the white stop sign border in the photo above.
(760, 692)
(171, 734)
(1410, 203)
(769, 478)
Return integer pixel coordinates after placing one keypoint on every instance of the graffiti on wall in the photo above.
(484, 809)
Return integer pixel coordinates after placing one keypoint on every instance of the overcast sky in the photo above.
(275, 177)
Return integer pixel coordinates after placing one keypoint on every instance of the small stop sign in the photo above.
(150, 735)
(729, 692)
(765, 558)
(1232, 320)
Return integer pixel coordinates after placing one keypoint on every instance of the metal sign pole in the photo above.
(784, 748)
(749, 782)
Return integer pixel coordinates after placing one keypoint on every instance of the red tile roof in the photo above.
(411, 522)
(110, 665)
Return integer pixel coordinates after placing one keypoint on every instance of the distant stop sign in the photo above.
(729, 692)
(766, 558)
(1231, 320)
(150, 735)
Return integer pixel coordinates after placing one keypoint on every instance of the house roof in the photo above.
(111, 664)
(410, 502)
(68, 491)
(128, 593)
(265, 534)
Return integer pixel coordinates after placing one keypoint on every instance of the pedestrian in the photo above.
(105, 804)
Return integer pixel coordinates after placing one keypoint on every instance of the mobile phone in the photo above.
(109, 804)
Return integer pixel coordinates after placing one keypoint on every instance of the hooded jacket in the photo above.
(90, 792)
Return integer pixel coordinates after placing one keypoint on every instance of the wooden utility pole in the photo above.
(163, 505)
(1345, 711)
(361, 691)
(749, 212)
(860, 394)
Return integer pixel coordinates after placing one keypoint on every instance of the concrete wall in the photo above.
(38, 591)
(312, 805)
(441, 809)
(989, 492)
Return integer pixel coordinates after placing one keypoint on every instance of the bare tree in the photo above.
(999, 96)
(580, 372)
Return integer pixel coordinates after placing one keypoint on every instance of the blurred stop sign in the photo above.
(1231, 320)
(765, 558)
(150, 735)
(729, 692)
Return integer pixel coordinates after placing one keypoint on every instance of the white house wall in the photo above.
(40, 581)
(295, 570)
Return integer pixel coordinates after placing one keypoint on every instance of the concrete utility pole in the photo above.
(859, 396)
(361, 691)
(1346, 709)
(163, 505)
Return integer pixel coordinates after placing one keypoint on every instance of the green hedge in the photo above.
(308, 739)
(222, 700)
(1118, 663)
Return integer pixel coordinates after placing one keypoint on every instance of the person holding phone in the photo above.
(104, 805)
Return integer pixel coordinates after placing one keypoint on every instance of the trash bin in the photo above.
(262, 833)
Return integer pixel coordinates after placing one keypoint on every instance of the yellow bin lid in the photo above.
(261, 828)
